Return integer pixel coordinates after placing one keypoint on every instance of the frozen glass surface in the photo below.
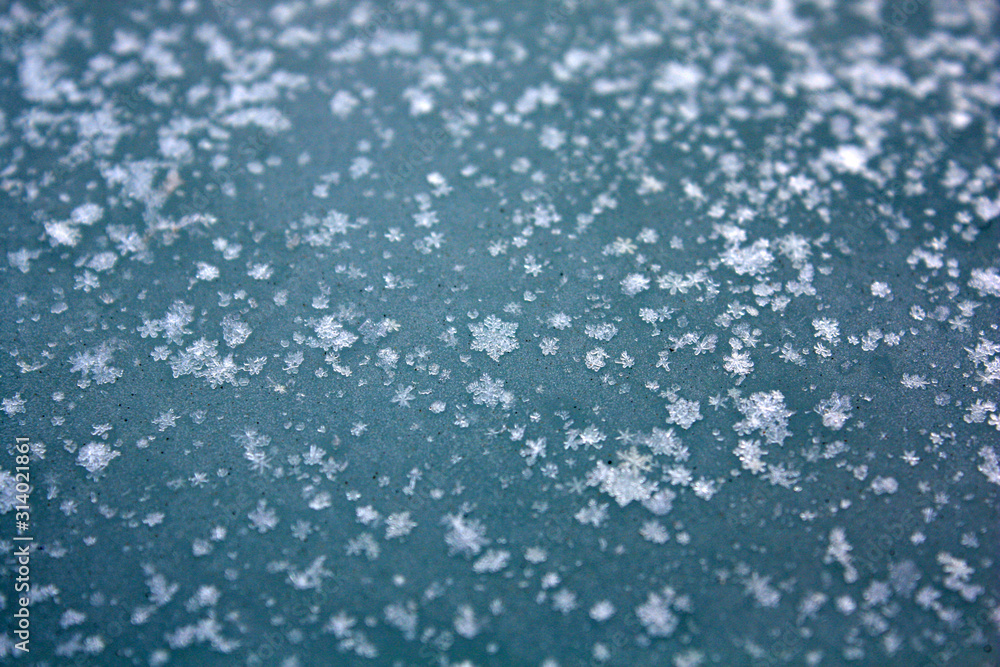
(500, 333)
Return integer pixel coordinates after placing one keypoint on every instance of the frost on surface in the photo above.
(418, 333)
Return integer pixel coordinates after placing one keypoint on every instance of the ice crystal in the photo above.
(494, 337)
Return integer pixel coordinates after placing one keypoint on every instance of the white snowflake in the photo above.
(634, 283)
(96, 456)
(398, 525)
(95, 363)
(684, 413)
(263, 518)
(835, 411)
(465, 536)
(403, 396)
(595, 359)
(549, 346)
(494, 337)
(604, 331)
(985, 281)
(559, 321)
(490, 392)
(738, 363)
(765, 412)
(13, 405)
(658, 615)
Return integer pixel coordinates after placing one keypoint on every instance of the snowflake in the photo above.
(705, 488)
(604, 331)
(588, 437)
(632, 457)
(624, 483)
(983, 351)
(707, 344)
(738, 363)
(839, 550)
(178, 316)
(490, 392)
(551, 137)
(985, 281)
(207, 271)
(263, 518)
(8, 492)
(658, 615)
(660, 502)
(634, 283)
(595, 359)
(254, 365)
(827, 329)
(234, 331)
(990, 465)
(620, 247)
(95, 457)
(684, 413)
(549, 346)
(260, 462)
(559, 321)
(602, 611)
(749, 453)
(166, 420)
(330, 334)
(494, 337)
(260, 271)
(564, 601)
(594, 514)
(765, 412)
(533, 450)
(666, 443)
(990, 372)
(750, 260)
(363, 544)
(655, 532)
(761, 590)
(913, 381)
(219, 371)
(95, 363)
(791, 355)
(881, 289)
(62, 233)
(647, 235)
(403, 396)
(781, 476)
(835, 411)
(678, 475)
(398, 525)
(13, 405)
(465, 536)
(493, 560)
(310, 578)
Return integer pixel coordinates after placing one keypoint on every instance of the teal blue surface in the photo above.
(460, 333)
